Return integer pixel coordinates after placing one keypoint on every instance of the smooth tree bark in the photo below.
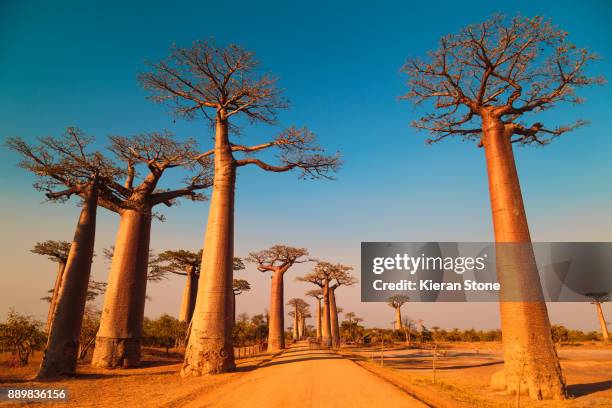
(119, 336)
(61, 353)
(602, 322)
(205, 78)
(480, 83)
(189, 295)
(57, 251)
(278, 260)
(598, 299)
(318, 295)
(333, 318)
(396, 302)
(66, 162)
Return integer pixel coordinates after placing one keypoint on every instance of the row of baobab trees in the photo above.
(482, 84)
(126, 179)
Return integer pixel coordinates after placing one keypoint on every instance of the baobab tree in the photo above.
(56, 251)
(277, 260)
(223, 84)
(300, 307)
(396, 302)
(185, 263)
(238, 287)
(118, 340)
(65, 167)
(341, 276)
(481, 84)
(318, 295)
(598, 299)
(323, 276)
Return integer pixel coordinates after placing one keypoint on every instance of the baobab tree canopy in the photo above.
(278, 257)
(397, 301)
(57, 251)
(65, 162)
(226, 80)
(240, 285)
(502, 67)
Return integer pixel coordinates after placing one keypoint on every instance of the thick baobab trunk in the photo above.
(63, 343)
(118, 339)
(319, 319)
(326, 338)
(398, 318)
(295, 325)
(333, 314)
(190, 293)
(276, 324)
(530, 360)
(602, 322)
(54, 295)
(300, 327)
(210, 349)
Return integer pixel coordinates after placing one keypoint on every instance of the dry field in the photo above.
(463, 372)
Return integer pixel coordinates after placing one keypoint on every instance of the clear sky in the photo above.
(75, 63)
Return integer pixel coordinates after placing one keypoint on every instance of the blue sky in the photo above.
(70, 63)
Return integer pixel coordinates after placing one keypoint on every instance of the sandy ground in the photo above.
(301, 377)
(156, 384)
(464, 371)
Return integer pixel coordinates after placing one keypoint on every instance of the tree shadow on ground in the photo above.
(579, 390)
(297, 360)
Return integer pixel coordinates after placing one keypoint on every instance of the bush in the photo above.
(165, 331)
(22, 335)
(249, 331)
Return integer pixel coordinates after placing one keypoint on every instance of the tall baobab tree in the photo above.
(56, 251)
(278, 260)
(396, 302)
(223, 84)
(341, 276)
(65, 167)
(598, 300)
(238, 287)
(118, 340)
(481, 84)
(318, 295)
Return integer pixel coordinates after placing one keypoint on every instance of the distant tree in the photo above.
(238, 286)
(482, 84)
(56, 251)
(22, 335)
(165, 331)
(396, 302)
(277, 259)
(222, 84)
(318, 295)
(300, 307)
(184, 263)
(598, 299)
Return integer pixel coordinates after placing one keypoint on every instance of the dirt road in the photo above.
(301, 377)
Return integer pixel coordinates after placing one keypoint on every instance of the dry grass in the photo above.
(464, 371)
